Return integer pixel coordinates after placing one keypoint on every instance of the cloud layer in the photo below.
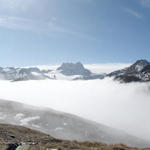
(123, 106)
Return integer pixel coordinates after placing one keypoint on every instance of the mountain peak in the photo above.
(139, 65)
(73, 69)
(142, 62)
(70, 65)
(138, 72)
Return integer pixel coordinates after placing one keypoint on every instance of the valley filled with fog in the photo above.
(122, 106)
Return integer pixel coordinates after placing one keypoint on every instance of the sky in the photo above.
(35, 32)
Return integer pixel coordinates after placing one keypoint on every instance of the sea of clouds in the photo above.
(122, 106)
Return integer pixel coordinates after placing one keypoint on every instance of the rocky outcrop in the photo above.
(70, 69)
(138, 72)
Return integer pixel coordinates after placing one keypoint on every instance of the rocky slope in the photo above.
(138, 72)
(16, 137)
(63, 126)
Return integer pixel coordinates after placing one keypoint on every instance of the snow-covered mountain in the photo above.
(78, 72)
(138, 72)
(70, 69)
(67, 71)
(62, 125)
(22, 74)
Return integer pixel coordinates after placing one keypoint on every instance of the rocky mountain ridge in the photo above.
(67, 71)
(138, 72)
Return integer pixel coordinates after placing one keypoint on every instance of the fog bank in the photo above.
(123, 106)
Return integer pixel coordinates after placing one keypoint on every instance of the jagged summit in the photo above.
(138, 65)
(138, 72)
(74, 69)
(142, 61)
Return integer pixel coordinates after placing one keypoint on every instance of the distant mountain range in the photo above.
(22, 74)
(138, 72)
(63, 125)
(67, 71)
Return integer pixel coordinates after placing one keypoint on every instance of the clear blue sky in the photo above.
(38, 32)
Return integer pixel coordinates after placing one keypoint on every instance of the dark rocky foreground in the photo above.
(14, 137)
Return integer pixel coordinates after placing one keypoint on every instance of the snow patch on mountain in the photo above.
(19, 116)
(58, 129)
(26, 121)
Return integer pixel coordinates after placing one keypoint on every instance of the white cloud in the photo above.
(133, 13)
(13, 22)
(45, 27)
(22, 15)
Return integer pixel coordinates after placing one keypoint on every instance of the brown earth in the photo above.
(12, 134)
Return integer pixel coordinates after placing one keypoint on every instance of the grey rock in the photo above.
(69, 69)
